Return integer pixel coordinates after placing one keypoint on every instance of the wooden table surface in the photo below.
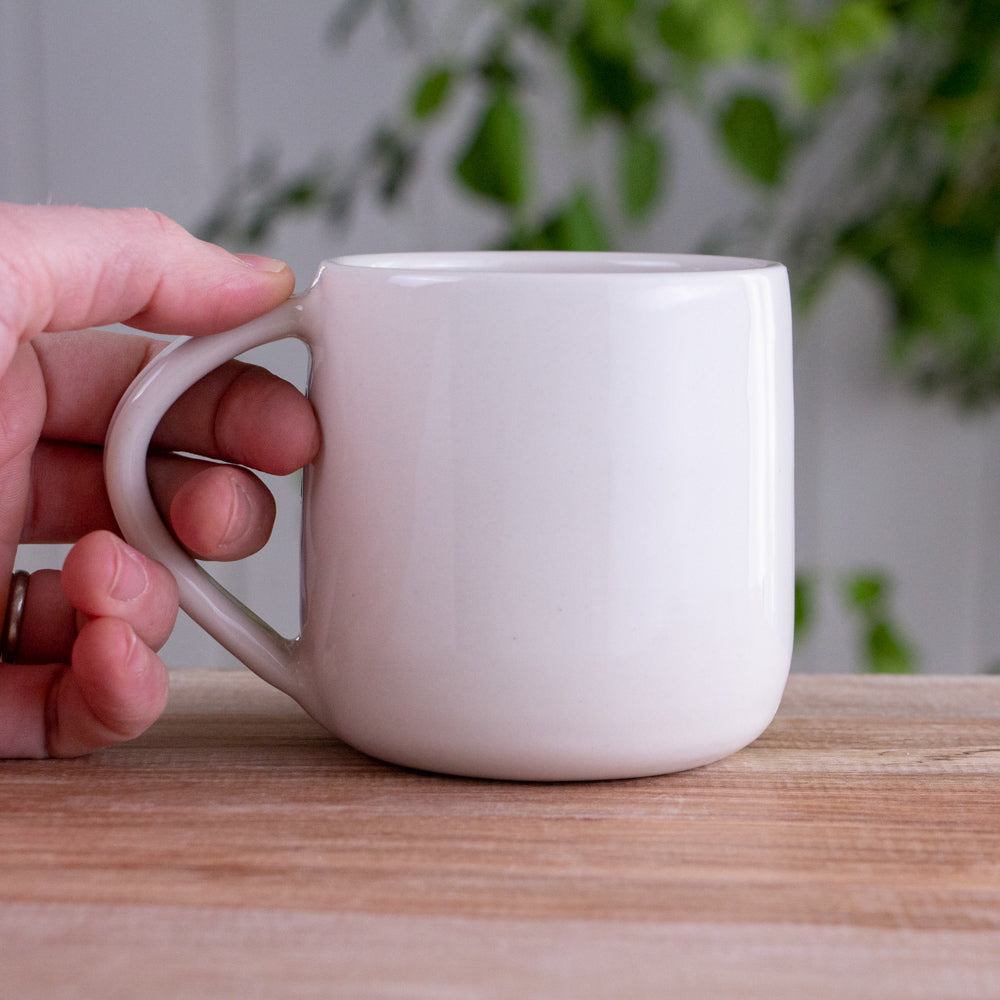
(238, 851)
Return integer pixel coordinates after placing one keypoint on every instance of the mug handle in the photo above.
(265, 651)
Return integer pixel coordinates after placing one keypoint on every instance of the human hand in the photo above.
(86, 674)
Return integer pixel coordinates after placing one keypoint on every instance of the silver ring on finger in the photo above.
(10, 639)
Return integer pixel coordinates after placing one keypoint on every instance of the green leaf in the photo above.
(641, 172)
(888, 652)
(962, 78)
(677, 32)
(884, 649)
(392, 159)
(708, 30)
(300, 193)
(575, 225)
(498, 70)
(432, 92)
(494, 163)
(608, 23)
(729, 30)
(813, 73)
(579, 225)
(805, 605)
(543, 18)
(753, 137)
(859, 25)
(866, 593)
(610, 80)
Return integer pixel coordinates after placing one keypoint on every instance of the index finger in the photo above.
(69, 267)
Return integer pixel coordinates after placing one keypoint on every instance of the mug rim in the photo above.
(550, 263)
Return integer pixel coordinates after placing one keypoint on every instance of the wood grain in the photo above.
(861, 828)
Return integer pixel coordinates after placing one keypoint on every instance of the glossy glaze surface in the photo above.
(549, 536)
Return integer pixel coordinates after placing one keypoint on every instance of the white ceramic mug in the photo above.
(549, 535)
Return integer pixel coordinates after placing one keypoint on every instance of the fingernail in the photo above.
(257, 263)
(131, 578)
(239, 515)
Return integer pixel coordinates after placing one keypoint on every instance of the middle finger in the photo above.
(218, 512)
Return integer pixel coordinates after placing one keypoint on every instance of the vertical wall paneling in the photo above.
(23, 92)
(220, 72)
(982, 604)
(119, 102)
(128, 104)
(896, 487)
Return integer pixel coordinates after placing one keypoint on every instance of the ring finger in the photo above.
(102, 578)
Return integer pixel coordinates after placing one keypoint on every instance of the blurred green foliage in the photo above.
(882, 646)
(908, 89)
(897, 101)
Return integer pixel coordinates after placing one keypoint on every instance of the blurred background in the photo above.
(857, 141)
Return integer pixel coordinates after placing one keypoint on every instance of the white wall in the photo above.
(116, 102)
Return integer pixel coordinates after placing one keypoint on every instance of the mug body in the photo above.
(549, 535)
